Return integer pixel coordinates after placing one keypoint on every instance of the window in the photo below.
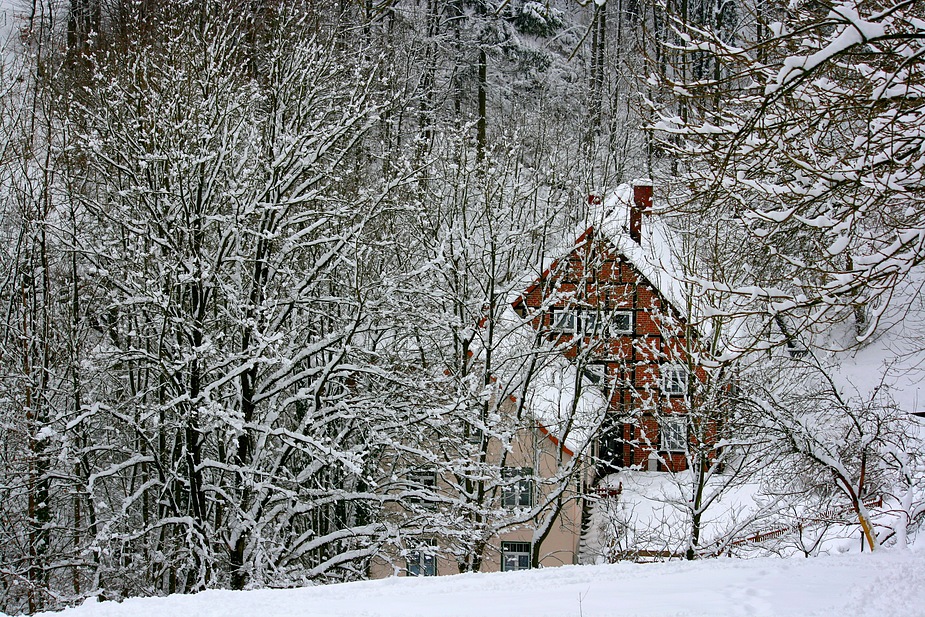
(515, 556)
(518, 487)
(621, 322)
(673, 431)
(589, 318)
(422, 561)
(593, 321)
(564, 320)
(474, 433)
(674, 379)
(422, 481)
(595, 372)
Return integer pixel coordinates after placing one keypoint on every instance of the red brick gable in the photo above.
(595, 283)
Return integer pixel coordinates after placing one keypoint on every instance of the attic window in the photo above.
(564, 320)
(674, 379)
(618, 323)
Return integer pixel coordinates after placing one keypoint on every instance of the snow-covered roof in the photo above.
(553, 403)
(658, 254)
(551, 395)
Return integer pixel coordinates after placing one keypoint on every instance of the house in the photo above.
(614, 383)
(623, 377)
(613, 307)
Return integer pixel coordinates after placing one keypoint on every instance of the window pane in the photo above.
(414, 563)
(563, 320)
(590, 324)
(526, 492)
(674, 434)
(621, 322)
(429, 567)
(674, 379)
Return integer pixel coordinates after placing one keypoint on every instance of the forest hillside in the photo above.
(257, 262)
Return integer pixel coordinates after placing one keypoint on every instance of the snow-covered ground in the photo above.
(888, 584)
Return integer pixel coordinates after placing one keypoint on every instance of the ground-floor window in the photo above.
(515, 556)
(422, 561)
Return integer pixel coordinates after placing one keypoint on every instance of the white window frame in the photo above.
(614, 331)
(518, 490)
(516, 556)
(560, 314)
(673, 433)
(674, 379)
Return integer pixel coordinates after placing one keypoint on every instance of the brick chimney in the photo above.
(642, 204)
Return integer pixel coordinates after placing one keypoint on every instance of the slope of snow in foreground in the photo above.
(891, 583)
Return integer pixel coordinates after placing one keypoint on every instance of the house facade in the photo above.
(526, 497)
(611, 305)
(609, 311)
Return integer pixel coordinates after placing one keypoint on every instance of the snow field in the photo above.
(888, 584)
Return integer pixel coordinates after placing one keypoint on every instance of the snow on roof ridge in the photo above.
(656, 257)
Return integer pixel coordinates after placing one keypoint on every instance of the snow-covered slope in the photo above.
(881, 585)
